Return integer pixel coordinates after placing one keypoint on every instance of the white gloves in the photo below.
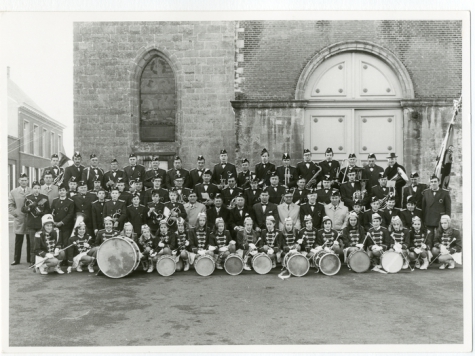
(359, 245)
(253, 253)
(56, 251)
(187, 243)
(424, 246)
(376, 248)
(336, 243)
(232, 242)
(397, 248)
(300, 241)
(318, 249)
(417, 250)
(223, 249)
(443, 250)
(212, 248)
(49, 255)
(86, 245)
(252, 246)
(327, 249)
(201, 252)
(153, 253)
(161, 244)
(270, 251)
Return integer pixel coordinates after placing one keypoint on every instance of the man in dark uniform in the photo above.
(196, 175)
(221, 170)
(349, 188)
(435, 203)
(156, 211)
(63, 213)
(324, 194)
(237, 216)
(367, 220)
(89, 174)
(343, 178)
(217, 210)
(394, 170)
(390, 211)
(75, 170)
(414, 190)
(157, 186)
(371, 173)
(123, 194)
(253, 193)
(116, 209)
(243, 178)
(111, 177)
(307, 168)
(410, 212)
(136, 214)
(330, 167)
(175, 208)
(312, 208)
(97, 211)
(264, 169)
(54, 168)
(83, 205)
(206, 191)
(381, 191)
(286, 173)
(231, 191)
(182, 191)
(133, 170)
(177, 170)
(92, 194)
(275, 190)
(156, 171)
(299, 195)
(359, 210)
(263, 209)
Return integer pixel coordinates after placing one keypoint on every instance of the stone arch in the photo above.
(362, 46)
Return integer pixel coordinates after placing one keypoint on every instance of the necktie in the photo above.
(352, 184)
(133, 168)
(113, 174)
(263, 166)
(206, 187)
(312, 207)
(371, 169)
(240, 212)
(95, 170)
(223, 165)
(329, 163)
(300, 192)
(435, 192)
(254, 192)
(308, 165)
(264, 207)
(199, 172)
(288, 207)
(231, 190)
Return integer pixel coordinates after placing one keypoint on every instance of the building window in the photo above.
(36, 140)
(11, 177)
(31, 173)
(60, 144)
(158, 101)
(51, 142)
(44, 143)
(26, 137)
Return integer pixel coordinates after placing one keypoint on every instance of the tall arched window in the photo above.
(158, 101)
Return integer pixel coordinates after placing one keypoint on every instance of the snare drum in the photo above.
(166, 265)
(359, 261)
(392, 261)
(118, 256)
(204, 265)
(297, 264)
(261, 263)
(233, 264)
(327, 262)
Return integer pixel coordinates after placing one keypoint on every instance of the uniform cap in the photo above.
(113, 160)
(72, 179)
(391, 198)
(306, 150)
(218, 220)
(244, 160)
(411, 200)
(434, 177)
(200, 158)
(81, 183)
(207, 171)
(47, 218)
(285, 156)
(391, 155)
(202, 214)
(218, 195)
(264, 150)
(373, 199)
(371, 155)
(382, 175)
(306, 217)
(329, 150)
(96, 178)
(77, 154)
(357, 202)
(254, 178)
(416, 218)
(326, 177)
(35, 183)
(48, 171)
(376, 216)
(353, 215)
(54, 155)
(414, 175)
(93, 155)
(240, 195)
(289, 192)
(248, 219)
(23, 175)
(335, 193)
(312, 191)
(177, 158)
(108, 218)
(325, 218)
(270, 217)
(178, 175)
(156, 159)
(273, 174)
(352, 155)
(132, 155)
(351, 170)
(120, 180)
(223, 152)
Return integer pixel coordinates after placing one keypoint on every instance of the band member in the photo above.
(248, 241)
(16, 200)
(83, 205)
(147, 244)
(199, 239)
(177, 171)
(128, 231)
(307, 169)
(399, 237)
(382, 191)
(165, 243)
(343, 177)
(330, 167)
(155, 172)
(444, 244)
(244, 177)
(397, 173)
(238, 214)
(181, 237)
(97, 211)
(174, 210)
(252, 195)
(196, 174)
(75, 170)
(299, 195)
(287, 174)
(419, 244)
(133, 170)
(328, 238)
(89, 174)
(82, 252)
(307, 239)
(378, 241)
(218, 210)
(275, 190)
(72, 187)
(139, 189)
(193, 209)
(49, 189)
(337, 211)
(368, 215)
(220, 239)
(324, 194)
(414, 190)
(62, 210)
(107, 233)
(221, 170)
(435, 203)
(110, 177)
(36, 205)
(180, 189)
(316, 211)
(206, 191)
(389, 212)
(410, 212)
(47, 247)
(136, 214)
(123, 194)
(157, 187)
(116, 209)
(351, 188)
(272, 239)
(358, 209)
(289, 209)
(352, 236)
(231, 192)
(156, 211)
(289, 239)
(54, 168)
(263, 209)
(371, 172)
(264, 169)
(92, 194)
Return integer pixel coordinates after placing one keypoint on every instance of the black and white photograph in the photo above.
(219, 181)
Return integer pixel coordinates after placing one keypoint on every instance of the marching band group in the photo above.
(312, 210)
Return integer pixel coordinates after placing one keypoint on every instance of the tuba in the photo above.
(62, 162)
(313, 180)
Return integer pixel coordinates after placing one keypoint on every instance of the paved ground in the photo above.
(185, 309)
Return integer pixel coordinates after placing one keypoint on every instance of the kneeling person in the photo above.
(47, 246)
(83, 252)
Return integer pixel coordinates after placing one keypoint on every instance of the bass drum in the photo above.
(204, 265)
(233, 264)
(166, 265)
(359, 261)
(117, 257)
(392, 261)
(327, 262)
(261, 263)
(297, 264)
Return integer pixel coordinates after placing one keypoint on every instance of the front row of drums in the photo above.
(117, 257)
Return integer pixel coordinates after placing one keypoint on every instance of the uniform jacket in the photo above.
(275, 193)
(134, 173)
(433, 207)
(401, 236)
(112, 176)
(330, 169)
(89, 174)
(168, 239)
(54, 170)
(41, 245)
(347, 192)
(299, 197)
(252, 196)
(16, 200)
(416, 195)
(388, 215)
(446, 237)
(372, 176)
(293, 213)
(151, 174)
(196, 177)
(338, 215)
(137, 216)
(356, 232)
(195, 241)
(103, 235)
(222, 172)
(236, 218)
(323, 196)
(97, 214)
(192, 212)
(327, 238)
(275, 239)
(260, 215)
(406, 216)
(368, 219)
(219, 240)
(344, 174)
(280, 170)
(384, 235)
(244, 239)
(263, 172)
(83, 204)
(170, 178)
(212, 215)
(40, 201)
(119, 208)
(180, 209)
(317, 214)
(52, 192)
(379, 192)
(243, 179)
(73, 171)
(162, 193)
(307, 172)
(78, 246)
(209, 188)
(418, 238)
(229, 194)
(63, 211)
(152, 222)
(126, 197)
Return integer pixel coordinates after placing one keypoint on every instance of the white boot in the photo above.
(43, 269)
(406, 264)
(150, 267)
(425, 263)
(90, 267)
(418, 264)
(443, 265)
(78, 268)
(186, 265)
(58, 269)
(451, 264)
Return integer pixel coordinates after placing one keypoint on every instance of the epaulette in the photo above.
(128, 206)
(455, 229)
(418, 209)
(446, 190)
(301, 162)
(69, 199)
(142, 205)
(382, 227)
(95, 201)
(123, 201)
(374, 186)
(279, 167)
(401, 209)
(425, 189)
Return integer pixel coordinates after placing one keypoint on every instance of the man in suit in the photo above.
(381, 191)
(435, 203)
(179, 185)
(97, 211)
(157, 187)
(54, 168)
(124, 195)
(243, 177)
(348, 189)
(193, 208)
(133, 170)
(414, 190)
(116, 209)
(16, 200)
(252, 194)
(299, 195)
(92, 172)
(410, 212)
(156, 171)
(324, 194)
(276, 191)
(287, 174)
(82, 204)
(221, 170)
(110, 177)
(337, 211)
(175, 210)
(262, 210)
(196, 174)
(177, 171)
(390, 211)
(264, 169)
(394, 170)
(307, 169)
(75, 170)
(206, 191)
(217, 210)
(231, 192)
(237, 216)
(312, 208)
(371, 173)
(343, 178)
(330, 167)
(289, 209)
(63, 213)
(49, 189)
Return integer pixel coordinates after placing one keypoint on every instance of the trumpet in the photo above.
(232, 204)
(171, 221)
(38, 208)
(59, 178)
(384, 202)
(359, 194)
(313, 180)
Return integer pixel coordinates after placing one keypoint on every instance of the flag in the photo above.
(443, 165)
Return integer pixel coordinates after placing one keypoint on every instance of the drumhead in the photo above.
(233, 265)
(261, 263)
(204, 265)
(392, 261)
(329, 264)
(359, 261)
(116, 257)
(298, 265)
(166, 266)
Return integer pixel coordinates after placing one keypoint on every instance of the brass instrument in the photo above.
(79, 220)
(170, 221)
(116, 215)
(38, 208)
(287, 177)
(313, 180)
(341, 163)
(384, 202)
(232, 204)
(60, 177)
(156, 217)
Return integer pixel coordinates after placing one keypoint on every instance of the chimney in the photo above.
(8, 72)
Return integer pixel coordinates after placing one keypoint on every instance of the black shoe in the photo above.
(15, 263)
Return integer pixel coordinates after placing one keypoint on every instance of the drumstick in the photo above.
(450, 243)
(43, 261)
